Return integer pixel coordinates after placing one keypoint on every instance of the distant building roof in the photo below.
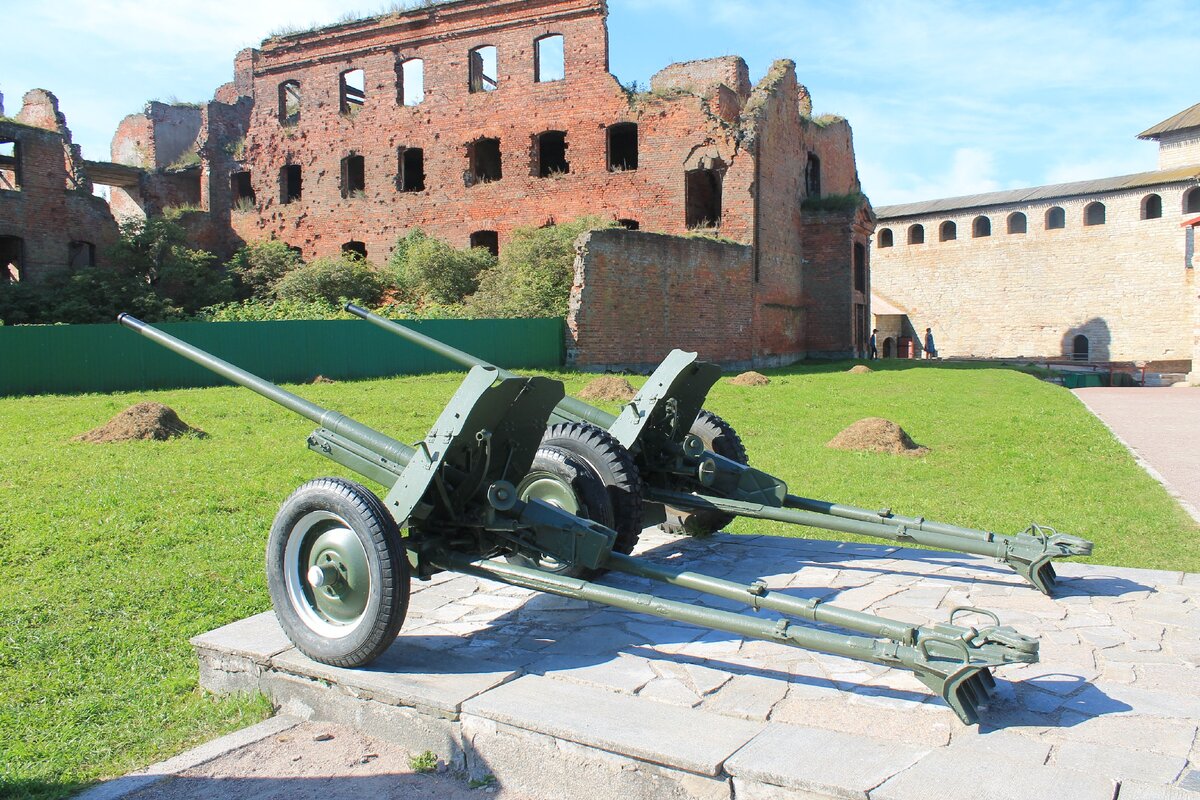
(1012, 196)
(1189, 118)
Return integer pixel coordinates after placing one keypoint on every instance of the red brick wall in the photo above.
(639, 295)
(829, 239)
(673, 130)
(54, 204)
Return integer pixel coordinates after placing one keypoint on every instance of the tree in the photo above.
(155, 252)
(258, 266)
(429, 270)
(535, 272)
(333, 279)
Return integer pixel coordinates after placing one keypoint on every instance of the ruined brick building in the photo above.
(472, 117)
(49, 219)
(1100, 270)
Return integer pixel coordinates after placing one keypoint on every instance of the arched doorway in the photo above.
(887, 347)
(1079, 348)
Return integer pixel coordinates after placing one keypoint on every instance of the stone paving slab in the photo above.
(408, 676)
(819, 761)
(1114, 701)
(697, 741)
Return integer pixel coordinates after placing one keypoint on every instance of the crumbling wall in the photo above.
(675, 132)
(638, 295)
(703, 77)
(338, 166)
(50, 204)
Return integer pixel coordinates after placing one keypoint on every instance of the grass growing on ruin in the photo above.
(114, 555)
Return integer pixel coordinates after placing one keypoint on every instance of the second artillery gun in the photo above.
(697, 476)
(484, 495)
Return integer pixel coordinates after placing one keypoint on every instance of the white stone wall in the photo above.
(1179, 149)
(1125, 284)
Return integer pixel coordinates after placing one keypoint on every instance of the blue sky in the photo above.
(945, 98)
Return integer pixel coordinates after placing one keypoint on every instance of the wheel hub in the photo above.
(550, 489)
(338, 576)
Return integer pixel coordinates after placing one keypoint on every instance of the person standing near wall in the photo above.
(930, 350)
(872, 350)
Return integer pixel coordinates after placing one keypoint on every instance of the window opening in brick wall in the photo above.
(948, 232)
(550, 157)
(981, 227)
(548, 59)
(702, 193)
(630, 224)
(860, 267)
(1191, 200)
(1151, 207)
(298, 251)
(352, 91)
(10, 164)
(242, 189)
(81, 254)
(483, 76)
(289, 102)
(488, 240)
(291, 183)
(1017, 223)
(1093, 214)
(354, 176)
(410, 82)
(812, 176)
(916, 234)
(484, 157)
(1079, 348)
(411, 177)
(12, 258)
(886, 238)
(622, 147)
(355, 248)
(1056, 219)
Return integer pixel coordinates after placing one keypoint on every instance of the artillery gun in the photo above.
(483, 495)
(697, 476)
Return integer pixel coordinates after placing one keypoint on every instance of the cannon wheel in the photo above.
(337, 572)
(613, 465)
(719, 437)
(560, 479)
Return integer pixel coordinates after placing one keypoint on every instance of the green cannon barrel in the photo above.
(331, 420)
(569, 407)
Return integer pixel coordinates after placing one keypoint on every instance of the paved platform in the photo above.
(1161, 427)
(561, 698)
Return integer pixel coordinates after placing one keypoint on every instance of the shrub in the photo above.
(429, 270)
(535, 272)
(256, 310)
(257, 267)
(152, 274)
(333, 279)
(154, 252)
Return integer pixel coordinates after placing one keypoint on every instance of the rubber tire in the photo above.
(719, 437)
(387, 563)
(611, 463)
(590, 492)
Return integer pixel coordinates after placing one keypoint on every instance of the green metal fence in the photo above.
(110, 358)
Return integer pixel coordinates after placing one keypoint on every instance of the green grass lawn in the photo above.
(114, 555)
